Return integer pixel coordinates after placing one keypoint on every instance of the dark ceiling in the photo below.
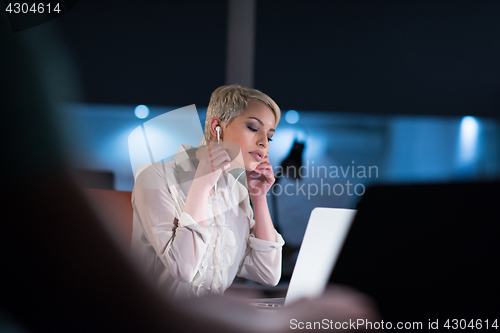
(384, 57)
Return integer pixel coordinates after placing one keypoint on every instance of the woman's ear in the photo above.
(214, 122)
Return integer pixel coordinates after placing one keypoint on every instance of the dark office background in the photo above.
(409, 87)
(380, 57)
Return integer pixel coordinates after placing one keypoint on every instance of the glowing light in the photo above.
(469, 130)
(292, 117)
(141, 111)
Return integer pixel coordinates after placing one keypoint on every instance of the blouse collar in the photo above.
(185, 164)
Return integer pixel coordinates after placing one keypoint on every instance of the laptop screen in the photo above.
(320, 248)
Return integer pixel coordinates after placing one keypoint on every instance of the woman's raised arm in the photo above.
(179, 243)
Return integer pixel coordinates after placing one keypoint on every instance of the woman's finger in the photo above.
(215, 156)
(216, 152)
(221, 160)
(264, 163)
(254, 174)
(264, 167)
(268, 173)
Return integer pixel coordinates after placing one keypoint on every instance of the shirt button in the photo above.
(212, 267)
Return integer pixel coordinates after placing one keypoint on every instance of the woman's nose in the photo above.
(263, 142)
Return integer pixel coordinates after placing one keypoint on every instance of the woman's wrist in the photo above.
(264, 228)
(196, 203)
(200, 187)
(258, 199)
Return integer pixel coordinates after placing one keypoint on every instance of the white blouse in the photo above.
(183, 258)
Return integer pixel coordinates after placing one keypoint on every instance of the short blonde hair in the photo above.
(227, 102)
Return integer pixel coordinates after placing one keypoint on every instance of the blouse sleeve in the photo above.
(262, 262)
(179, 243)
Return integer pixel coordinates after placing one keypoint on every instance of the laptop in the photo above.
(325, 233)
(427, 252)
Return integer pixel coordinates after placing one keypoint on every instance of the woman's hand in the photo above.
(261, 179)
(211, 165)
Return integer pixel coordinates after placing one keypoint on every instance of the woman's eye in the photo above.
(255, 130)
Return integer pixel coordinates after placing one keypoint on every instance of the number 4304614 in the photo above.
(37, 8)
(478, 324)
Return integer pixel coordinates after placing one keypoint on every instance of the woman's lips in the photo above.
(256, 156)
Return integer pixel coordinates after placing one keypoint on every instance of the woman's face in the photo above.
(251, 130)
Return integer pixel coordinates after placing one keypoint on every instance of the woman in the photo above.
(194, 229)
